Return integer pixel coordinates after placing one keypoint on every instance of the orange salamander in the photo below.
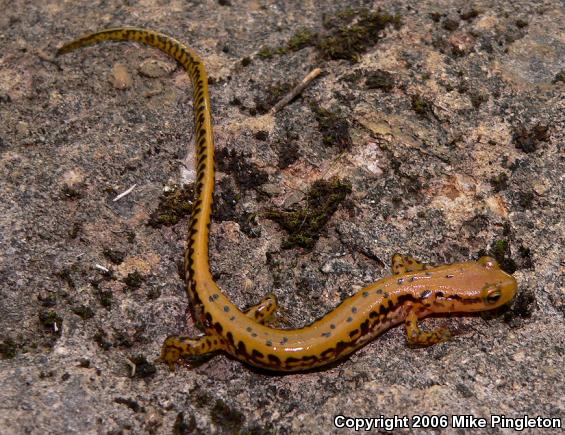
(414, 291)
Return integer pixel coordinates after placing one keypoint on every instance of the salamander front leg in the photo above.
(177, 347)
(263, 312)
(406, 263)
(417, 337)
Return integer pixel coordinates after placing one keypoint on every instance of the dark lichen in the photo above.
(478, 98)
(174, 204)
(75, 230)
(559, 77)
(122, 339)
(153, 293)
(133, 280)
(262, 135)
(469, 13)
(143, 368)
(51, 321)
(247, 175)
(524, 200)
(70, 192)
(525, 259)
(380, 79)
(105, 297)
(182, 427)
(130, 403)
(334, 128)
(48, 300)
(305, 224)
(499, 182)
(116, 257)
(271, 96)
(84, 363)
(528, 139)
(288, 155)
(421, 106)
(101, 338)
(522, 306)
(229, 419)
(84, 312)
(65, 275)
(450, 23)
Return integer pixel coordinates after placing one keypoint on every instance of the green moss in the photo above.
(8, 348)
(304, 225)
(174, 204)
(349, 38)
(348, 34)
(334, 128)
(302, 38)
(267, 52)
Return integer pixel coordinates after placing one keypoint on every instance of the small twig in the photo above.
(127, 192)
(132, 365)
(102, 268)
(297, 90)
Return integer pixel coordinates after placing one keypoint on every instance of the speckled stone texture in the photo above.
(451, 134)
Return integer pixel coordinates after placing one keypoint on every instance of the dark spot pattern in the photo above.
(425, 294)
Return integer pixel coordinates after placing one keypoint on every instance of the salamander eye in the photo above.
(492, 296)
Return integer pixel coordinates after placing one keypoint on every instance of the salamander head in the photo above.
(475, 286)
(503, 287)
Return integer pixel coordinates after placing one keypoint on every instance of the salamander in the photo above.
(415, 290)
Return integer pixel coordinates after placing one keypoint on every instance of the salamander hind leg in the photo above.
(406, 263)
(177, 347)
(263, 312)
(417, 337)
